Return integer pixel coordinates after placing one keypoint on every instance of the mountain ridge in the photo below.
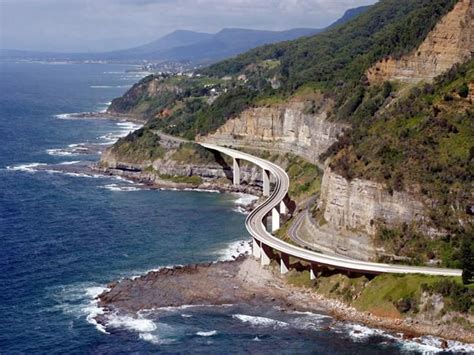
(186, 45)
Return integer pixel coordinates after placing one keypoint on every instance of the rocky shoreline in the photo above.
(153, 181)
(108, 116)
(244, 281)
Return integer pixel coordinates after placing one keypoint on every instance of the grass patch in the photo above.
(192, 180)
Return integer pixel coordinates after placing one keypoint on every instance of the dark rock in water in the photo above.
(213, 283)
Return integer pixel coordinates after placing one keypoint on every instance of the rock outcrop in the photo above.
(163, 171)
(451, 42)
(299, 127)
(362, 205)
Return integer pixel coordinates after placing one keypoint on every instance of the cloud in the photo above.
(91, 25)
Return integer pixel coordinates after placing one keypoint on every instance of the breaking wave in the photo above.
(259, 321)
(235, 249)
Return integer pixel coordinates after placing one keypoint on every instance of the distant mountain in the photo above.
(227, 43)
(177, 38)
(182, 45)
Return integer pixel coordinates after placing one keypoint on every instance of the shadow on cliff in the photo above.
(226, 168)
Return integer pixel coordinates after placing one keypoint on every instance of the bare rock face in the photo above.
(298, 127)
(450, 42)
(359, 205)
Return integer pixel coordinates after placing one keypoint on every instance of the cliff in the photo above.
(299, 126)
(397, 159)
(364, 205)
(451, 42)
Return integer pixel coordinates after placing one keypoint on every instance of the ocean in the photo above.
(65, 236)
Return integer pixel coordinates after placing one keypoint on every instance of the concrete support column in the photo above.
(265, 252)
(256, 249)
(283, 209)
(236, 171)
(313, 271)
(266, 182)
(275, 220)
(284, 263)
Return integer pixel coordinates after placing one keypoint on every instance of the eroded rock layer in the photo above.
(299, 127)
(451, 42)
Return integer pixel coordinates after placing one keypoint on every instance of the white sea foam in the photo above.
(70, 162)
(259, 321)
(28, 167)
(360, 332)
(207, 334)
(424, 344)
(115, 187)
(234, 250)
(431, 344)
(66, 116)
(147, 329)
(245, 199)
(138, 324)
(92, 309)
(203, 190)
(61, 152)
(308, 320)
(124, 129)
(79, 300)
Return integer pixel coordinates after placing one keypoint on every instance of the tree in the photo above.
(463, 90)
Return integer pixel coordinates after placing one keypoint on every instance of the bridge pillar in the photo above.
(256, 249)
(266, 182)
(236, 171)
(313, 272)
(275, 219)
(283, 209)
(284, 263)
(265, 252)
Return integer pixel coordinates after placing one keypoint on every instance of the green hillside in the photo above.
(334, 61)
(420, 143)
(424, 143)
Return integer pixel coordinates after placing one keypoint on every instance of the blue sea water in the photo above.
(63, 237)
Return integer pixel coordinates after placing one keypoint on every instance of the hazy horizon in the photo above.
(105, 25)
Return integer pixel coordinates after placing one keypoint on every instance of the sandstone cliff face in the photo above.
(451, 42)
(250, 174)
(361, 205)
(285, 127)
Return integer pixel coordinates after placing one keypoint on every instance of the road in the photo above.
(257, 230)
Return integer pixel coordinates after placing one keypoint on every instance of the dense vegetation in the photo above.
(334, 61)
(423, 142)
(139, 146)
(391, 295)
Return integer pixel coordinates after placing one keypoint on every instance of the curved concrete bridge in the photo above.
(274, 206)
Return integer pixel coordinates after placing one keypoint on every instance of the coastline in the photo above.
(103, 115)
(153, 182)
(275, 290)
(245, 281)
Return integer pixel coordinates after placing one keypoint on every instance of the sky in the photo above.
(101, 25)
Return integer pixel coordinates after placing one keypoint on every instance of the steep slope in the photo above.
(451, 42)
(400, 174)
(420, 148)
(349, 15)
